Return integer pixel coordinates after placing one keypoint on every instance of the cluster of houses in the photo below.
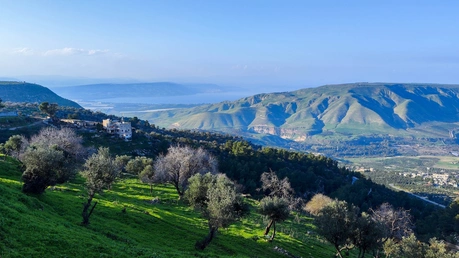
(116, 127)
(443, 179)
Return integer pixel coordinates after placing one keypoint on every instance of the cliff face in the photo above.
(296, 134)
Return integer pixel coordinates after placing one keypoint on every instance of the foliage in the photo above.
(180, 163)
(317, 203)
(411, 247)
(137, 165)
(44, 167)
(15, 145)
(49, 109)
(100, 172)
(336, 222)
(276, 209)
(123, 160)
(51, 158)
(368, 234)
(196, 194)
(216, 197)
(147, 176)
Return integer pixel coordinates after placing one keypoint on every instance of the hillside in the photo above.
(133, 90)
(49, 225)
(331, 112)
(32, 93)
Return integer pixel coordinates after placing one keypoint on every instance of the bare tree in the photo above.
(397, 223)
(65, 138)
(276, 187)
(180, 163)
(101, 170)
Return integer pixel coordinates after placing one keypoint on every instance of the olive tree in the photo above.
(180, 163)
(275, 209)
(49, 109)
(52, 157)
(101, 170)
(147, 176)
(367, 234)
(217, 199)
(44, 167)
(15, 145)
(137, 165)
(336, 222)
(411, 247)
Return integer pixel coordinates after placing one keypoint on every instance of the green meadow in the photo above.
(126, 223)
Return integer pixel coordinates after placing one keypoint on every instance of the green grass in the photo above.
(49, 225)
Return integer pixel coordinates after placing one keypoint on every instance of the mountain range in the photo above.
(344, 110)
(108, 91)
(33, 93)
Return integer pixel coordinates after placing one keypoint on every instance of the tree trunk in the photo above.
(338, 251)
(268, 227)
(86, 207)
(180, 193)
(274, 232)
(201, 245)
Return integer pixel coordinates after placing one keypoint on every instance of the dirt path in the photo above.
(19, 127)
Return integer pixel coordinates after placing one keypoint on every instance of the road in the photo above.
(417, 196)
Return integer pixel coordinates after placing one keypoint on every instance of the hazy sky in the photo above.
(247, 42)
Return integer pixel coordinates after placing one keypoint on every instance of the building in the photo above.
(80, 123)
(123, 129)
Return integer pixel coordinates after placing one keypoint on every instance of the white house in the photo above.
(123, 129)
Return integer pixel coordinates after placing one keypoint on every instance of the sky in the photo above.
(243, 43)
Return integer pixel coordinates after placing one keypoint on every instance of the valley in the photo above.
(415, 168)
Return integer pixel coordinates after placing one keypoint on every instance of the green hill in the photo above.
(31, 93)
(336, 112)
(49, 225)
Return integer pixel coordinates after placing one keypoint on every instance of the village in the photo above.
(116, 127)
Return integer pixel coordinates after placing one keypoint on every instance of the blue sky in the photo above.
(272, 43)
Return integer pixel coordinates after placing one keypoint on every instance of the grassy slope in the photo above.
(49, 225)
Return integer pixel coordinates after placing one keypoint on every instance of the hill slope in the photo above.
(133, 90)
(49, 225)
(29, 92)
(332, 110)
